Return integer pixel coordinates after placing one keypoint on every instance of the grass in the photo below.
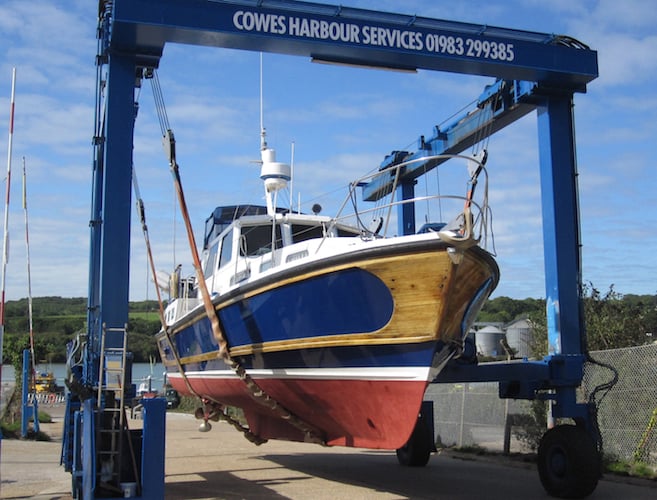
(635, 469)
(12, 430)
(149, 316)
(632, 468)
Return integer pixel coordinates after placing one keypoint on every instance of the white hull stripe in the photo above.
(399, 374)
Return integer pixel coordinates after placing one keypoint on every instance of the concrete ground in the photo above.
(30, 469)
(221, 464)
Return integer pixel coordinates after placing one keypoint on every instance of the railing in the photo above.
(47, 398)
(384, 210)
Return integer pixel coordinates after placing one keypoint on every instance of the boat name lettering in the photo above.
(431, 42)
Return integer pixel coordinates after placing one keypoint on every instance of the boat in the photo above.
(325, 328)
(45, 383)
(145, 388)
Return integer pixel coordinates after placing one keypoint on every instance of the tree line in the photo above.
(57, 320)
(612, 320)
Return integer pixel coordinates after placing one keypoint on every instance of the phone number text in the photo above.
(469, 47)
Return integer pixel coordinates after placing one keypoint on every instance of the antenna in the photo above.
(274, 174)
(292, 178)
(263, 133)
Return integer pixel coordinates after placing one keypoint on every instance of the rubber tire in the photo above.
(417, 450)
(568, 462)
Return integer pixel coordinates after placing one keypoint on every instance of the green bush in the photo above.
(529, 428)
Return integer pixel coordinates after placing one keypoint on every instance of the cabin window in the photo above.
(344, 232)
(297, 255)
(226, 249)
(302, 233)
(258, 240)
(212, 260)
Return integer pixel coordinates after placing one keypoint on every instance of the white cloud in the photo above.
(625, 59)
(630, 15)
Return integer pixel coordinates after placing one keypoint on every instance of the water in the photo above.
(140, 373)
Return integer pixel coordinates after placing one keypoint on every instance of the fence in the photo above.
(470, 414)
(627, 415)
(48, 399)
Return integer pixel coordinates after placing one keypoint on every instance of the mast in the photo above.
(5, 245)
(29, 274)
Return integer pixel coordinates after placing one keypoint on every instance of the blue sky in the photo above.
(343, 121)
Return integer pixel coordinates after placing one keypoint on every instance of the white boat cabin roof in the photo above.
(255, 235)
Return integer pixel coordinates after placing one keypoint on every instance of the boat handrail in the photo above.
(394, 204)
(482, 209)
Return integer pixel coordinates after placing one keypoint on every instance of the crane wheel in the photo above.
(568, 462)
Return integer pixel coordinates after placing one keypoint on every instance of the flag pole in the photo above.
(5, 245)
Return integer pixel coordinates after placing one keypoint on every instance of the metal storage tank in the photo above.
(488, 339)
(519, 337)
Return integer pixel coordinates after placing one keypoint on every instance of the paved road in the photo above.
(221, 464)
(238, 469)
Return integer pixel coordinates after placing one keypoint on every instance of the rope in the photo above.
(159, 104)
(164, 126)
(257, 393)
(141, 210)
(216, 405)
(142, 216)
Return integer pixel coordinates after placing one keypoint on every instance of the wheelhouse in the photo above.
(255, 242)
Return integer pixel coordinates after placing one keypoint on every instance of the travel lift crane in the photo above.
(535, 71)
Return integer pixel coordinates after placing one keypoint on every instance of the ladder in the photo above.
(112, 426)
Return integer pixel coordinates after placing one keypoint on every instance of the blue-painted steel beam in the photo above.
(562, 249)
(352, 36)
(109, 283)
(406, 218)
(30, 408)
(115, 244)
(561, 240)
(153, 449)
(90, 366)
(501, 104)
(519, 379)
(77, 470)
(87, 467)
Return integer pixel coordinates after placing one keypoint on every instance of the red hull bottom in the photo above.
(354, 413)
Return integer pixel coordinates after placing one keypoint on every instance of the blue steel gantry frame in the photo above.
(536, 72)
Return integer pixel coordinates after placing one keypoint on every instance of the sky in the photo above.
(342, 122)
